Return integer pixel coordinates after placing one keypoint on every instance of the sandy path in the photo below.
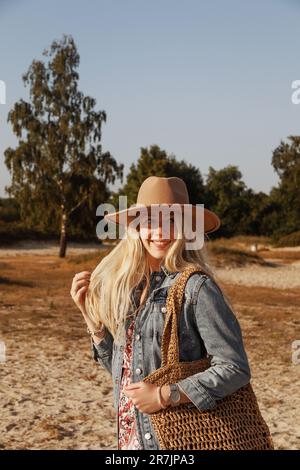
(54, 397)
(279, 277)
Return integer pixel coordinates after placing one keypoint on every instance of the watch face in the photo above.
(175, 395)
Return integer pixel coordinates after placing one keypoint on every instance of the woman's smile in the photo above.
(161, 244)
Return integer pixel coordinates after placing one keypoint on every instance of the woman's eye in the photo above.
(154, 221)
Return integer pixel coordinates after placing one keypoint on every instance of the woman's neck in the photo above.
(155, 264)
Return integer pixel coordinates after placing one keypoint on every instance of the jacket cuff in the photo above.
(103, 349)
(197, 394)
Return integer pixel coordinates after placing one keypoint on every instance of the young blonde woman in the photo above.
(123, 303)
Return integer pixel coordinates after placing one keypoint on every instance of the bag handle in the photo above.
(169, 343)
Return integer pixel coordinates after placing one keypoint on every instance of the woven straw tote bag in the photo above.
(235, 423)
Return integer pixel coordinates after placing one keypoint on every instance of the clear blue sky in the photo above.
(209, 81)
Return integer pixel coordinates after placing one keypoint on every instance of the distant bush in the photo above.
(12, 232)
(95, 256)
(293, 239)
(241, 240)
(9, 210)
(230, 256)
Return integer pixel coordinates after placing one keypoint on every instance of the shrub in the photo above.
(293, 239)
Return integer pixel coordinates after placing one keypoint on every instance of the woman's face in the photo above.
(151, 233)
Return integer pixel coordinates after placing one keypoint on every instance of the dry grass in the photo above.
(222, 255)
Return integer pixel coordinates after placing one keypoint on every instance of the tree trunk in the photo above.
(63, 236)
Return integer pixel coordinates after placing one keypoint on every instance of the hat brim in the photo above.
(211, 221)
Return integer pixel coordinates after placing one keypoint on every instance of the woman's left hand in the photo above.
(144, 396)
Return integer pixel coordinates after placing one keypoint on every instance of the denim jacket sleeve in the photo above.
(221, 333)
(102, 352)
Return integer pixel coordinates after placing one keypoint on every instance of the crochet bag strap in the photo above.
(169, 343)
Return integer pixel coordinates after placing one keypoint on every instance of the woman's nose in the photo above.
(161, 233)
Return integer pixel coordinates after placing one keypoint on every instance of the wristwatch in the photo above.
(175, 394)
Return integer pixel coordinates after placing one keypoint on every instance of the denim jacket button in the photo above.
(138, 371)
(157, 278)
(164, 309)
(148, 436)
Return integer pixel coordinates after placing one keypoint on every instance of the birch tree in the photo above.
(58, 164)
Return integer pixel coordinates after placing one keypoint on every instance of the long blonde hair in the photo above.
(108, 299)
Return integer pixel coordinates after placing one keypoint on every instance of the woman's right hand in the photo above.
(80, 285)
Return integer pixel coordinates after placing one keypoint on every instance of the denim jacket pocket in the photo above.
(160, 295)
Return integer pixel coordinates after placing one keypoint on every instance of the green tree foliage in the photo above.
(152, 161)
(59, 171)
(227, 196)
(192, 177)
(242, 210)
(263, 218)
(286, 163)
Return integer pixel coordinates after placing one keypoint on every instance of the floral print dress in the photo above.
(128, 437)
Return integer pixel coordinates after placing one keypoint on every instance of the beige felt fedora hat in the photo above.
(157, 190)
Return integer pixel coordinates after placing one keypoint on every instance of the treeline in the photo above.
(242, 210)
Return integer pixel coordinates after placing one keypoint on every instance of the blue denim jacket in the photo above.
(207, 327)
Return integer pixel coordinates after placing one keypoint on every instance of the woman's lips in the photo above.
(160, 244)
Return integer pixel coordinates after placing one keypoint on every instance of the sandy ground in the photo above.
(279, 277)
(54, 396)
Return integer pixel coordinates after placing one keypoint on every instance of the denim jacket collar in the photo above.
(165, 271)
